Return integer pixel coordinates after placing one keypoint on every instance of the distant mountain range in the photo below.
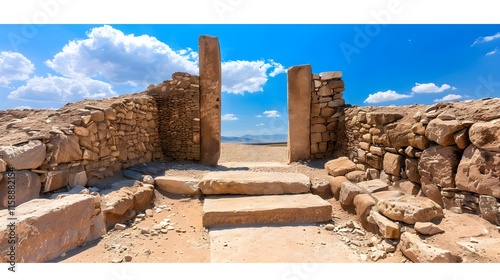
(256, 139)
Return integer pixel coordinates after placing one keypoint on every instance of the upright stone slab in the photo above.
(210, 99)
(299, 112)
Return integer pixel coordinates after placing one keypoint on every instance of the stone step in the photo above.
(221, 211)
(254, 183)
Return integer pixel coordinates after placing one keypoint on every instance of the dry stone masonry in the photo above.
(445, 152)
(178, 102)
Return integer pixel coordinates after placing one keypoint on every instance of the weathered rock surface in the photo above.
(419, 252)
(65, 149)
(439, 164)
(486, 136)
(340, 166)
(26, 156)
(348, 191)
(441, 131)
(489, 209)
(267, 209)
(386, 227)
(27, 187)
(427, 228)
(479, 172)
(407, 187)
(356, 176)
(336, 184)
(246, 182)
(410, 209)
(47, 228)
(178, 185)
(373, 186)
(363, 203)
(392, 163)
(322, 189)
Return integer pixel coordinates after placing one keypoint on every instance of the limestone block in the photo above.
(486, 135)
(26, 185)
(439, 165)
(410, 209)
(419, 252)
(29, 155)
(441, 131)
(392, 163)
(340, 166)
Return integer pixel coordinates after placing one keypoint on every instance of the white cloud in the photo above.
(449, 97)
(62, 89)
(383, 96)
(259, 116)
(122, 59)
(14, 67)
(430, 88)
(229, 117)
(486, 39)
(22, 107)
(242, 76)
(271, 114)
(492, 52)
(260, 124)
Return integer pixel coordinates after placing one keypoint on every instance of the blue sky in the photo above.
(47, 66)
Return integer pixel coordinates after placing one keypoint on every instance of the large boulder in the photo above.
(419, 252)
(439, 164)
(56, 180)
(363, 204)
(25, 184)
(479, 172)
(441, 131)
(398, 134)
(410, 209)
(381, 118)
(348, 191)
(340, 166)
(65, 149)
(178, 185)
(486, 135)
(26, 156)
(47, 228)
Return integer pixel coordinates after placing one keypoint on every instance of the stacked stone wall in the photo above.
(442, 151)
(326, 109)
(178, 102)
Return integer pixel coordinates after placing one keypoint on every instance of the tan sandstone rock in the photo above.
(340, 166)
(441, 131)
(427, 228)
(419, 252)
(65, 149)
(347, 193)
(439, 165)
(486, 135)
(386, 227)
(26, 156)
(336, 184)
(363, 204)
(47, 228)
(410, 209)
(479, 172)
(392, 163)
(27, 187)
(178, 185)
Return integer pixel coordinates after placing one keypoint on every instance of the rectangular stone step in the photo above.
(253, 183)
(220, 211)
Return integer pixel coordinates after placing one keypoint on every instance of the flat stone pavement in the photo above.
(305, 243)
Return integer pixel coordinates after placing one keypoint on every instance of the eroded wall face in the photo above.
(178, 102)
(445, 152)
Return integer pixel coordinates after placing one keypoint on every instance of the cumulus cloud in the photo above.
(53, 88)
(449, 97)
(122, 59)
(271, 114)
(492, 52)
(486, 39)
(259, 116)
(240, 76)
(383, 96)
(430, 88)
(229, 117)
(22, 107)
(14, 67)
(260, 124)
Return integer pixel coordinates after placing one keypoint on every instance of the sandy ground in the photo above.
(190, 242)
